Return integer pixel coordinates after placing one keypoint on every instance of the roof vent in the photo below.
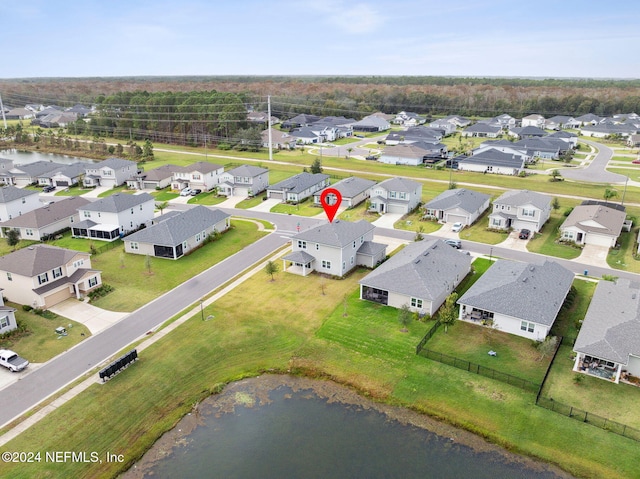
(524, 280)
(434, 246)
(426, 253)
(416, 261)
(532, 268)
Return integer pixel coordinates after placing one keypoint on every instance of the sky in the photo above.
(97, 38)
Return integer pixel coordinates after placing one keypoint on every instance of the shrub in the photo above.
(101, 291)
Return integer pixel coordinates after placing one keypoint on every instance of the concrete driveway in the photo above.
(96, 191)
(94, 318)
(387, 220)
(594, 255)
(266, 205)
(445, 232)
(230, 202)
(514, 243)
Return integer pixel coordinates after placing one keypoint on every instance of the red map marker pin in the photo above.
(330, 200)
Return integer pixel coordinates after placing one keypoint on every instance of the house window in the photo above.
(344, 265)
(93, 281)
(196, 177)
(134, 245)
(403, 196)
(326, 264)
(302, 244)
(198, 237)
(4, 322)
(9, 277)
(354, 244)
(80, 262)
(70, 219)
(140, 207)
(86, 214)
(527, 326)
(43, 278)
(567, 234)
(57, 272)
(361, 239)
(29, 232)
(351, 260)
(489, 168)
(527, 212)
(392, 194)
(496, 222)
(131, 210)
(416, 303)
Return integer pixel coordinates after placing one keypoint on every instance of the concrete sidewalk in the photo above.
(96, 319)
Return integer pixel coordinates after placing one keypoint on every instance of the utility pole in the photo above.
(624, 192)
(4, 118)
(269, 126)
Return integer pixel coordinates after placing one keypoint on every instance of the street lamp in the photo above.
(202, 308)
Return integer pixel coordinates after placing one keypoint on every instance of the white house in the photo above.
(518, 298)
(457, 205)
(156, 178)
(520, 209)
(244, 180)
(7, 317)
(533, 120)
(299, 187)
(111, 172)
(595, 223)
(334, 249)
(492, 161)
(395, 195)
(201, 175)
(420, 276)
(353, 191)
(16, 201)
(114, 216)
(414, 154)
(41, 276)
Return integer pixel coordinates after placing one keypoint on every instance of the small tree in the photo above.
(448, 312)
(610, 193)
(419, 234)
(271, 268)
(547, 346)
(316, 166)
(147, 150)
(349, 150)
(554, 175)
(147, 263)
(404, 317)
(13, 238)
(555, 204)
(162, 206)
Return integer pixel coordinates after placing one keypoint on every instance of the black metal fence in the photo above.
(589, 418)
(427, 337)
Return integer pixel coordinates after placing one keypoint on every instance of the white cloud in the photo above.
(355, 19)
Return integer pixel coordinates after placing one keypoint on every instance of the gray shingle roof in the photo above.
(423, 269)
(38, 168)
(525, 291)
(249, 171)
(202, 167)
(523, 197)
(118, 202)
(11, 193)
(400, 184)
(114, 163)
(338, 234)
(36, 259)
(493, 157)
(159, 174)
(350, 187)
(178, 228)
(47, 215)
(609, 219)
(611, 327)
(299, 182)
(467, 200)
(483, 128)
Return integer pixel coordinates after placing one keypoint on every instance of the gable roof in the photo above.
(158, 174)
(247, 170)
(37, 168)
(113, 163)
(36, 259)
(611, 328)
(71, 171)
(467, 200)
(47, 215)
(400, 184)
(202, 167)
(176, 228)
(337, 234)
(494, 157)
(117, 202)
(483, 128)
(523, 197)
(608, 218)
(350, 187)
(11, 193)
(299, 182)
(526, 291)
(423, 269)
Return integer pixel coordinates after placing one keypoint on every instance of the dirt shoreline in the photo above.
(256, 391)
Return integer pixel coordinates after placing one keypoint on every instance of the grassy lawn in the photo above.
(414, 222)
(73, 191)
(623, 258)
(117, 189)
(39, 342)
(81, 244)
(470, 342)
(164, 195)
(207, 199)
(479, 266)
(479, 231)
(618, 402)
(306, 208)
(290, 325)
(545, 242)
(358, 213)
(250, 202)
(135, 286)
(345, 141)
(574, 309)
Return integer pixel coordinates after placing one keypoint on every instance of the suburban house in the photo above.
(595, 223)
(527, 132)
(201, 175)
(602, 130)
(633, 140)
(111, 172)
(154, 179)
(353, 190)
(504, 121)
(371, 123)
(5, 166)
(41, 276)
(175, 234)
(298, 187)
(492, 161)
(568, 137)
(482, 130)
(395, 195)
(608, 344)
(414, 134)
(518, 298)
(307, 136)
(559, 122)
(408, 118)
(520, 209)
(69, 175)
(413, 154)
(299, 121)
(16, 201)
(445, 125)
(533, 120)
(114, 216)
(244, 180)
(589, 118)
(47, 220)
(28, 174)
(7, 317)
(334, 249)
(280, 140)
(505, 146)
(421, 276)
(458, 205)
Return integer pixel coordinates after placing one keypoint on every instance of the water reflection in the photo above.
(22, 157)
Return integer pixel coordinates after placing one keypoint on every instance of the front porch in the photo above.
(298, 262)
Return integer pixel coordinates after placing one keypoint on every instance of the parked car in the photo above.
(457, 227)
(48, 189)
(185, 192)
(524, 234)
(12, 361)
(196, 191)
(457, 244)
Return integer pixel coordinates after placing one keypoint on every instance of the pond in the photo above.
(286, 427)
(23, 157)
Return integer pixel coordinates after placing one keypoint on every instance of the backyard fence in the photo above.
(589, 418)
(427, 337)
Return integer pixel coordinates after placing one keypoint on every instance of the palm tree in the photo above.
(610, 193)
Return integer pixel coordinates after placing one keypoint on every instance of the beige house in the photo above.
(595, 223)
(41, 276)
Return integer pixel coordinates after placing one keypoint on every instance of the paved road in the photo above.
(596, 172)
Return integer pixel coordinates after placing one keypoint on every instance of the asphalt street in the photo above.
(597, 170)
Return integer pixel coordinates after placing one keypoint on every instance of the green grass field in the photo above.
(545, 242)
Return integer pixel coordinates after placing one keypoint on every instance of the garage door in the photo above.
(598, 240)
(62, 183)
(456, 219)
(398, 209)
(278, 195)
(57, 297)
